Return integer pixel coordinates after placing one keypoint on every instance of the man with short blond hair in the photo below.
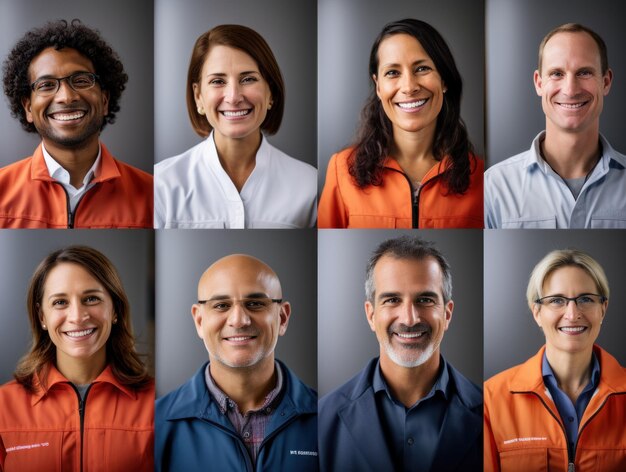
(571, 177)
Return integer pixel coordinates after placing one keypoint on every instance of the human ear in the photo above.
(369, 313)
(285, 313)
(538, 83)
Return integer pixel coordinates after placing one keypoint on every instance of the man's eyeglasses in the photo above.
(249, 304)
(48, 86)
(584, 302)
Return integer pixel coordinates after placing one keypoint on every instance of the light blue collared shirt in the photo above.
(524, 192)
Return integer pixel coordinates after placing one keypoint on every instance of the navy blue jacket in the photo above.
(191, 434)
(351, 435)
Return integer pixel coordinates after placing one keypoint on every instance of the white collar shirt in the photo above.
(192, 190)
(524, 192)
(62, 176)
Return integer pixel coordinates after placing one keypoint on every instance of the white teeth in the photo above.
(68, 116)
(410, 335)
(236, 113)
(408, 106)
(571, 105)
(78, 334)
(240, 338)
(572, 329)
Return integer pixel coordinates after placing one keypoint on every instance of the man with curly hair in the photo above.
(64, 82)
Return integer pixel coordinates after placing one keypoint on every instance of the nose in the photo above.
(238, 317)
(409, 315)
(571, 311)
(233, 93)
(76, 313)
(570, 85)
(66, 93)
(409, 84)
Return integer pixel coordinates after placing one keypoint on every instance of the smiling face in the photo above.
(570, 329)
(408, 85)
(67, 119)
(239, 323)
(77, 312)
(571, 83)
(409, 315)
(232, 93)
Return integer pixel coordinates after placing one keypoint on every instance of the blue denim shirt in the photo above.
(570, 414)
(524, 192)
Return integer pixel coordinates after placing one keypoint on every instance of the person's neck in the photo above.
(75, 160)
(81, 371)
(410, 384)
(247, 387)
(414, 151)
(571, 155)
(572, 371)
(237, 156)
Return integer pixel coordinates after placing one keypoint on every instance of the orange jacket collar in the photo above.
(108, 167)
(55, 377)
(391, 163)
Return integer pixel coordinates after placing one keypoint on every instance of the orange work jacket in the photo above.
(49, 431)
(524, 432)
(30, 198)
(392, 205)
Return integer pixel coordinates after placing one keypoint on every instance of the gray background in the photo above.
(182, 257)
(346, 341)
(511, 334)
(21, 251)
(128, 27)
(513, 31)
(346, 31)
(288, 27)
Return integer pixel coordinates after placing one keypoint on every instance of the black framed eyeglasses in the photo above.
(249, 304)
(585, 301)
(79, 81)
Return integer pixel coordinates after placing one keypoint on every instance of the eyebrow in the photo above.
(426, 293)
(395, 64)
(50, 76)
(86, 292)
(254, 295)
(223, 74)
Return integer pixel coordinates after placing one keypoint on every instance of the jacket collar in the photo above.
(56, 379)
(436, 170)
(192, 399)
(460, 431)
(108, 167)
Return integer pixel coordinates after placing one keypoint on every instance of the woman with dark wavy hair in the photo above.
(82, 398)
(412, 164)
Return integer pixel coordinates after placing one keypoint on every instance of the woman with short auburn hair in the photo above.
(234, 178)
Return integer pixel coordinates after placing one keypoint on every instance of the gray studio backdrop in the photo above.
(511, 334)
(128, 28)
(289, 28)
(21, 251)
(346, 342)
(346, 31)
(513, 31)
(182, 257)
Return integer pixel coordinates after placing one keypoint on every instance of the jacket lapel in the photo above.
(361, 420)
(459, 433)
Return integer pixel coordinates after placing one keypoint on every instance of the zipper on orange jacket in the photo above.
(571, 455)
(81, 411)
(71, 216)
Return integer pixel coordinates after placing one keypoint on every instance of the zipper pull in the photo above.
(571, 467)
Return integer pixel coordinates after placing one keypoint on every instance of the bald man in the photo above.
(243, 410)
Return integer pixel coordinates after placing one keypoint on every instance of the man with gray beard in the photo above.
(408, 409)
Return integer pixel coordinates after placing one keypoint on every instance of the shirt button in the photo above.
(410, 441)
(246, 434)
(571, 419)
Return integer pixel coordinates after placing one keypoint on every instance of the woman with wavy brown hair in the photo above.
(412, 164)
(82, 399)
